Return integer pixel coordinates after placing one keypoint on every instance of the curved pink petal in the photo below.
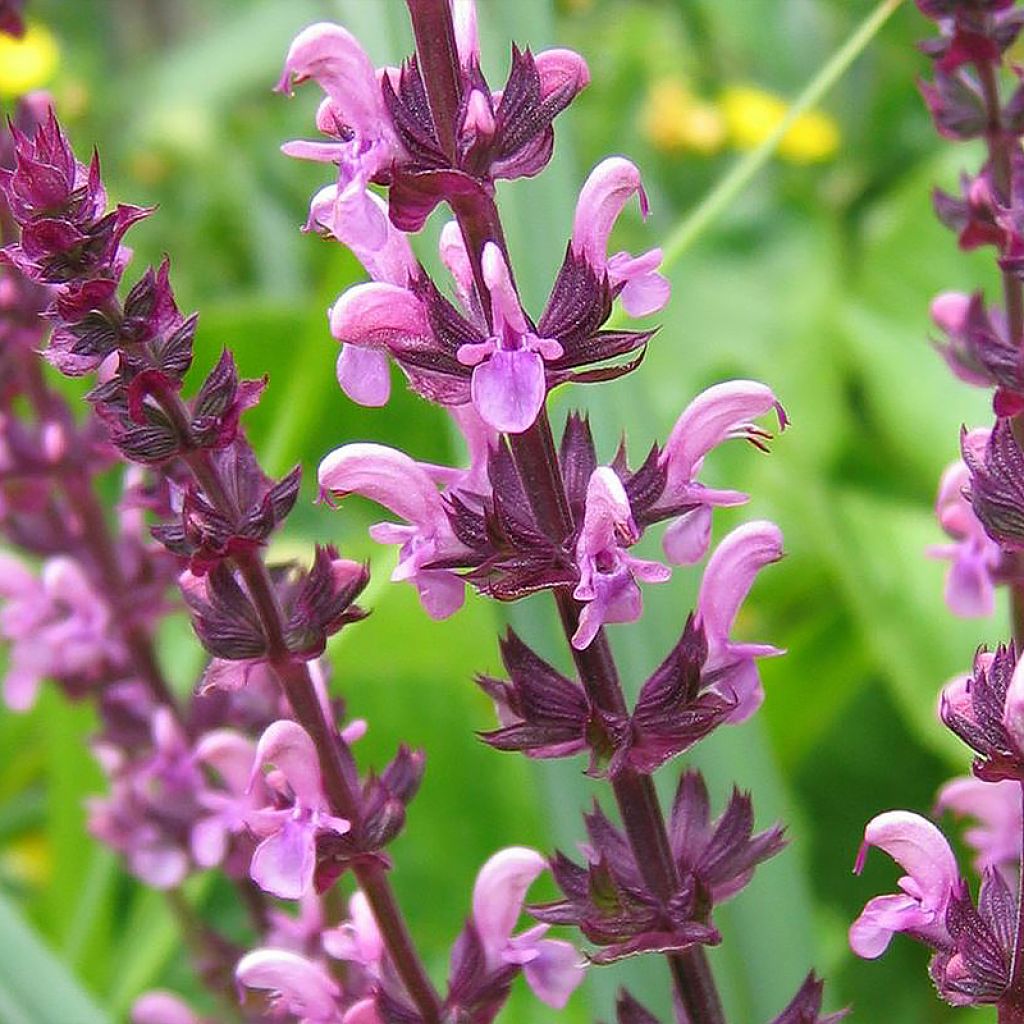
(452, 249)
(499, 893)
(607, 517)
(289, 748)
(508, 390)
(379, 315)
(230, 754)
(561, 71)
(730, 573)
(304, 988)
(605, 192)
(336, 60)
(645, 294)
(555, 973)
(921, 850)
(364, 374)
(386, 476)
(208, 842)
(722, 411)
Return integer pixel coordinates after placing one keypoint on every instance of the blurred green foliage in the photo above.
(816, 280)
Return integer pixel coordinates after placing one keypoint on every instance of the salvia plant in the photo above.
(254, 772)
(976, 935)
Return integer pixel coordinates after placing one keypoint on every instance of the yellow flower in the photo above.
(752, 114)
(27, 63)
(28, 859)
(673, 119)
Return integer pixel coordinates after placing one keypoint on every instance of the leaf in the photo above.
(35, 987)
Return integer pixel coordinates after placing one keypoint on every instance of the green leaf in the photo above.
(35, 987)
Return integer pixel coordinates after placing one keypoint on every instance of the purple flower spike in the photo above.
(718, 414)
(296, 985)
(608, 573)
(634, 278)
(284, 862)
(974, 557)
(932, 879)
(996, 806)
(728, 577)
(392, 479)
(553, 968)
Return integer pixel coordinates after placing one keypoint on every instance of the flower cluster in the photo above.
(254, 772)
(975, 942)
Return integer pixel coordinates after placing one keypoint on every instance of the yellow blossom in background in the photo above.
(673, 119)
(27, 63)
(752, 114)
(28, 860)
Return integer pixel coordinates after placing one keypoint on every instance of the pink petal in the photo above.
(607, 517)
(504, 300)
(555, 973)
(284, 862)
(442, 593)
(560, 70)
(379, 315)
(1013, 709)
(305, 988)
(730, 573)
(230, 754)
(720, 412)
(883, 916)
(209, 842)
(997, 808)
(452, 249)
(335, 59)
(645, 294)
(609, 187)
(509, 389)
(499, 893)
(287, 746)
(363, 1012)
(970, 592)
(386, 476)
(162, 1008)
(364, 375)
(949, 311)
(467, 40)
(921, 850)
(222, 674)
(687, 538)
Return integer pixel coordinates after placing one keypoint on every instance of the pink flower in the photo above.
(553, 968)
(728, 577)
(409, 489)
(357, 940)
(296, 985)
(974, 557)
(932, 876)
(609, 575)
(722, 412)
(57, 625)
(996, 806)
(284, 862)
(635, 279)
(353, 114)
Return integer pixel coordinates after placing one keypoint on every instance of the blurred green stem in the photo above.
(718, 200)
